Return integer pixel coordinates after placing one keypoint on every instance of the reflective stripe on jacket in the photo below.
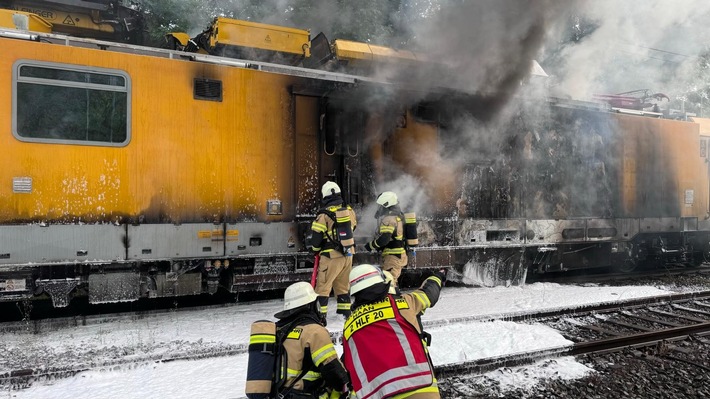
(308, 346)
(390, 235)
(323, 232)
(383, 351)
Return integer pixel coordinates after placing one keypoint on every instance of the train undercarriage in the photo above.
(118, 263)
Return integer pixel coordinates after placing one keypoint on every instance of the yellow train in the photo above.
(131, 172)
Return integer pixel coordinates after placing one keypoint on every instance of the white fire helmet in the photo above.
(330, 188)
(364, 276)
(298, 294)
(387, 199)
(389, 279)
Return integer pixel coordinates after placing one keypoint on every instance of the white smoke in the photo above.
(638, 44)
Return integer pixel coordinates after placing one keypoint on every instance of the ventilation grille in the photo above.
(21, 184)
(207, 89)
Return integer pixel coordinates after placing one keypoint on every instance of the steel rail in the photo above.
(640, 339)
(608, 345)
(559, 312)
(576, 311)
(607, 277)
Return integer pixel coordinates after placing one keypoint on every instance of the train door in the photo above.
(328, 147)
(307, 156)
(341, 149)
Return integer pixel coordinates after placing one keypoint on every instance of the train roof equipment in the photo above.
(636, 102)
(25, 21)
(225, 41)
(235, 38)
(98, 19)
(240, 39)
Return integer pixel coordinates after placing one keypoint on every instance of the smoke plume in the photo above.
(633, 45)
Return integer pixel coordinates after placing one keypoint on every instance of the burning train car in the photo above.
(134, 172)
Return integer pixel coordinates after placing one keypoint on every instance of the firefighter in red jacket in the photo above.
(312, 361)
(383, 348)
(389, 239)
(334, 266)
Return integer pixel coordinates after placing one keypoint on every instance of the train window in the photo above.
(57, 103)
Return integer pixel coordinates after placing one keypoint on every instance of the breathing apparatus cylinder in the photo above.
(410, 229)
(262, 359)
(344, 230)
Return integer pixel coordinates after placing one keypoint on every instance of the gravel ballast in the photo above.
(678, 370)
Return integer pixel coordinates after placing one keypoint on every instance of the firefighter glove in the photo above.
(441, 275)
(426, 337)
(368, 247)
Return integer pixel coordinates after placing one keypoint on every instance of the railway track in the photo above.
(691, 319)
(605, 277)
(696, 326)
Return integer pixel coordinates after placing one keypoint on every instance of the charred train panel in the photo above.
(566, 166)
(589, 164)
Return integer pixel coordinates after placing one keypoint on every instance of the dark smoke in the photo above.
(488, 47)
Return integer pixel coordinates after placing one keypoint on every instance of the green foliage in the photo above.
(696, 94)
(163, 16)
(374, 21)
(368, 21)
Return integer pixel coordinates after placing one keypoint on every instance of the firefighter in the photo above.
(383, 344)
(313, 365)
(335, 261)
(389, 239)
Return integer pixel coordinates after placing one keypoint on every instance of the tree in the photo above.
(387, 23)
(695, 96)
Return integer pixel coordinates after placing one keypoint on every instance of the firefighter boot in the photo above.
(323, 302)
(344, 305)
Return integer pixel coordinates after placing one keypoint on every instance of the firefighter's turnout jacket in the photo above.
(389, 239)
(324, 238)
(308, 347)
(334, 267)
(383, 347)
